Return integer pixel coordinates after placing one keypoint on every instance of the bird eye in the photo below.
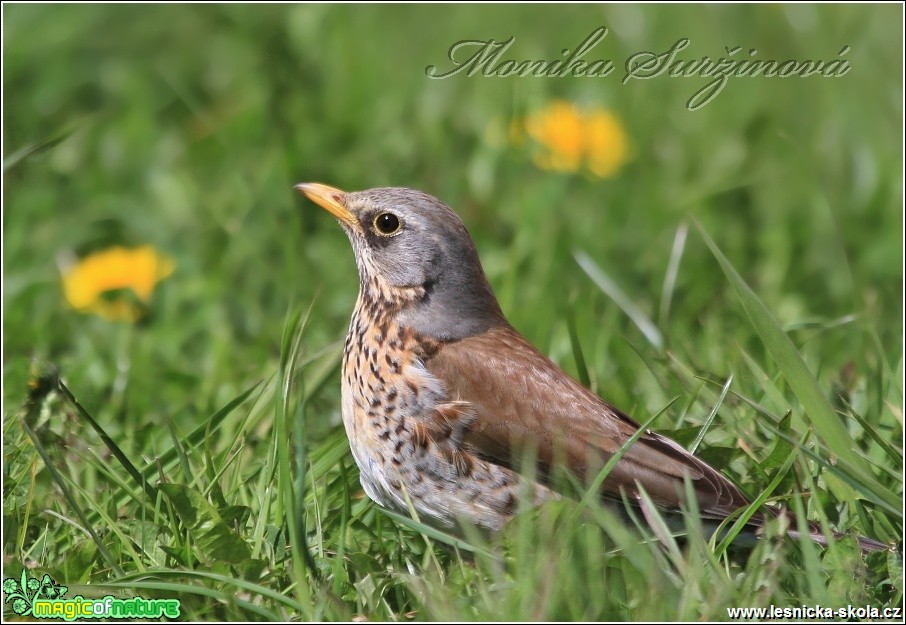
(387, 223)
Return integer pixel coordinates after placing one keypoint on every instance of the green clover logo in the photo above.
(22, 593)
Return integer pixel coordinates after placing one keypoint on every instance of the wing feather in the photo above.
(520, 401)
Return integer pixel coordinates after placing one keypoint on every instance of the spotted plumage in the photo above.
(443, 400)
(406, 433)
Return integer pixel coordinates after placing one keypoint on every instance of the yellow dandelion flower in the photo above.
(101, 282)
(559, 129)
(606, 143)
(569, 138)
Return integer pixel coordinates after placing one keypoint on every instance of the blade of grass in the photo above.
(818, 409)
(614, 292)
(871, 490)
(429, 555)
(889, 449)
(200, 432)
(289, 501)
(578, 355)
(141, 580)
(115, 529)
(300, 454)
(182, 588)
(594, 491)
(812, 570)
(49, 142)
(67, 494)
(134, 473)
(711, 415)
(766, 383)
(749, 511)
(622, 536)
(180, 452)
(659, 527)
(435, 534)
(676, 254)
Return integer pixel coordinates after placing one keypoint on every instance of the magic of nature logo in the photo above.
(44, 599)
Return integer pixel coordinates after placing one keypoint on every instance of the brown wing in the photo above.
(521, 400)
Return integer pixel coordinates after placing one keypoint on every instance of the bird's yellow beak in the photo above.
(330, 199)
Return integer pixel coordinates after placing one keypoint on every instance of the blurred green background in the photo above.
(185, 127)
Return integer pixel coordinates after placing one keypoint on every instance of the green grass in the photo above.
(739, 281)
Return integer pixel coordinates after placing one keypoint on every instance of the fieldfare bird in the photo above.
(441, 397)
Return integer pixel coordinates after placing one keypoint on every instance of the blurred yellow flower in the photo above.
(560, 129)
(100, 282)
(606, 143)
(569, 137)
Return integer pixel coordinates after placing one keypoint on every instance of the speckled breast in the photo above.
(406, 434)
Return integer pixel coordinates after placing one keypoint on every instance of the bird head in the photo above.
(413, 252)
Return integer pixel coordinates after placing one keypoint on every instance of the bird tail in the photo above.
(754, 532)
(868, 545)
